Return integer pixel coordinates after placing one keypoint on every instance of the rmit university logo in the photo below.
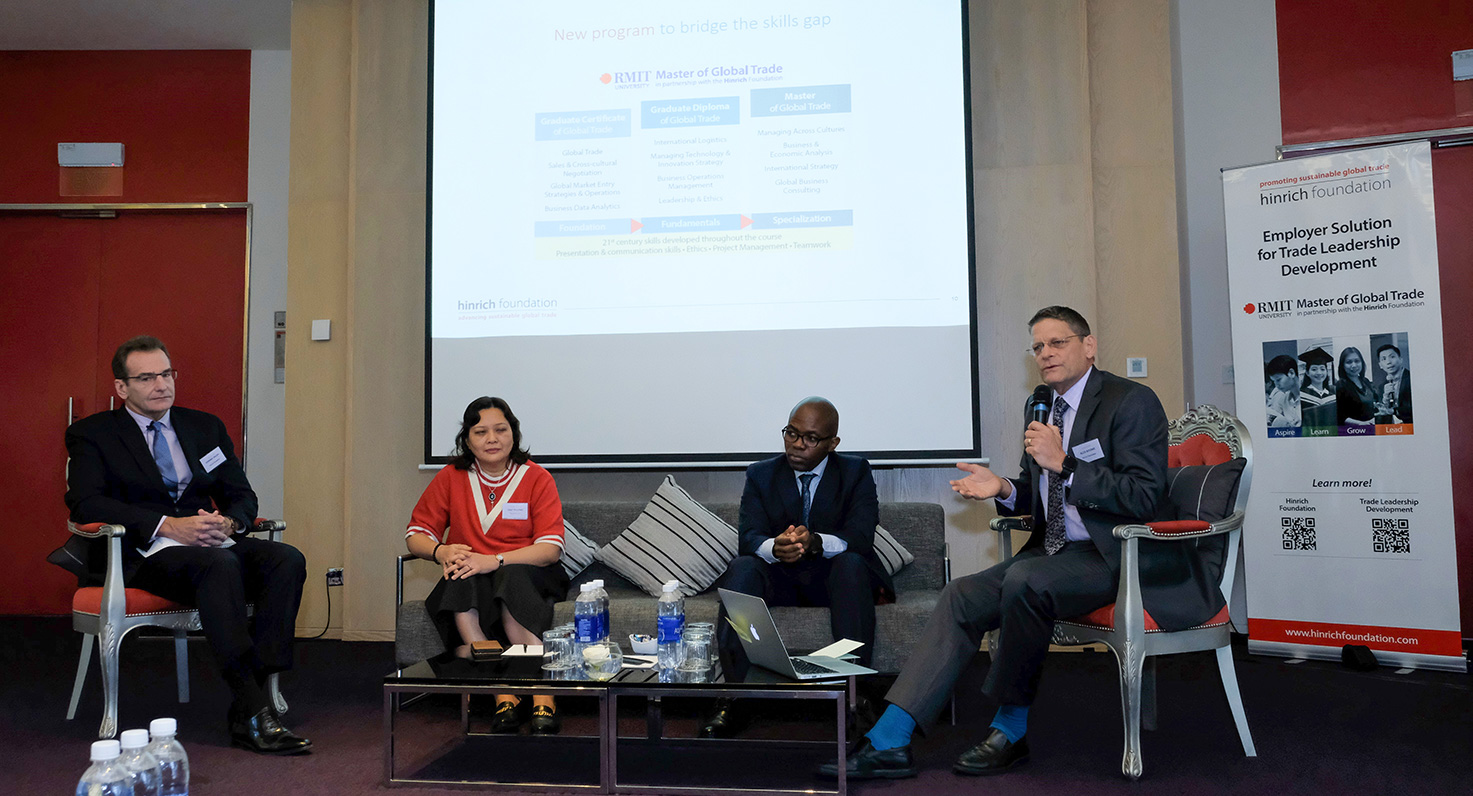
(1282, 305)
(625, 77)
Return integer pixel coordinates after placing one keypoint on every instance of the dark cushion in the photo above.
(78, 557)
(1205, 492)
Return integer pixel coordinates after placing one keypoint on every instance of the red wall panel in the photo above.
(1351, 68)
(183, 117)
(71, 290)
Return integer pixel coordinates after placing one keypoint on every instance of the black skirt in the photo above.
(527, 591)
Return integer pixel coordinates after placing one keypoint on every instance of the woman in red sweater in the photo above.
(493, 521)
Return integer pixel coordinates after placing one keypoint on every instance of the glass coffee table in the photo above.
(421, 748)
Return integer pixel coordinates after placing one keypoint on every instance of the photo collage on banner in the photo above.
(1346, 386)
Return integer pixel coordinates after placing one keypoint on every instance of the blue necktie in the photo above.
(807, 479)
(164, 459)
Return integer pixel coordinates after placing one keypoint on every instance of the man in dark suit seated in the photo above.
(807, 537)
(1111, 471)
(169, 475)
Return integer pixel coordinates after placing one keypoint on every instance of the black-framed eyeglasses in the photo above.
(1056, 344)
(791, 435)
(149, 378)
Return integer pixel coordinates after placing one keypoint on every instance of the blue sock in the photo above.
(1012, 720)
(893, 730)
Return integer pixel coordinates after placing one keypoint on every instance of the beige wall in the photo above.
(1075, 197)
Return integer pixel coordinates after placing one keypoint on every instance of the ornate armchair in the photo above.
(109, 612)
(1209, 449)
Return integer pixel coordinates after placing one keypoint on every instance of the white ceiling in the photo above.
(145, 24)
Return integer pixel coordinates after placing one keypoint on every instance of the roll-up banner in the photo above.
(1332, 271)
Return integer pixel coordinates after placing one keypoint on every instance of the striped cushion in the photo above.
(578, 551)
(673, 538)
(892, 553)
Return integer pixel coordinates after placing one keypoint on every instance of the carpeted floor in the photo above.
(1319, 728)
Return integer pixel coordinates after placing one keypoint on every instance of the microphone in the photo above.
(1039, 404)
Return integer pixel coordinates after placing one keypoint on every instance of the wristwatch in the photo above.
(500, 561)
(1067, 468)
(817, 549)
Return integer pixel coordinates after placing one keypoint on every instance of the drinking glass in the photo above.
(558, 649)
(602, 660)
(698, 643)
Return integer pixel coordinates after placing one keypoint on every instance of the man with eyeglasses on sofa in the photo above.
(807, 537)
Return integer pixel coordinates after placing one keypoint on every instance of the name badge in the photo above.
(212, 460)
(514, 511)
(1089, 451)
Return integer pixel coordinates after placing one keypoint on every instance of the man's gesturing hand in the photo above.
(980, 483)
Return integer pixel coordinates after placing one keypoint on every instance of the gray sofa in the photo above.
(920, 527)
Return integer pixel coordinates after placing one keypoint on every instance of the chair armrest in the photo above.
(272, 528)
(95, 530)
(1000, 524)
(399, 576)
(114, 600)
(1180, 529)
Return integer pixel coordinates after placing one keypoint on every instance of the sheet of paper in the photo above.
(522, 651)
(841, 647)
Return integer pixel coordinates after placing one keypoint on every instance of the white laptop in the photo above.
(752, 621)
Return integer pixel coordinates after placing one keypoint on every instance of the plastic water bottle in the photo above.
(670, 624)
(601, 598)
(106, 776)
(139, 762)
(585, 619)
(173, 762)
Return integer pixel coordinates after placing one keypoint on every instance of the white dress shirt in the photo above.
(1074, 529)
(832, 545)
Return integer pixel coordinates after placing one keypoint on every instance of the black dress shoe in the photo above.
(725, 721)
(993, 756)
(545, 720)
(867, 762)
(508, 717)
(263, 734)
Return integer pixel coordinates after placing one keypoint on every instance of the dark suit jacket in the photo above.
(1127, 485)
(1403, 396)
(112, 478)
(845, 505)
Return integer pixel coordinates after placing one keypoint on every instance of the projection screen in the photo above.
(655, 227)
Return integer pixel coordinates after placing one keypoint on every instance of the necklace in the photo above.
(492, 484)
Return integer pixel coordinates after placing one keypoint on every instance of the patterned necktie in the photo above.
(807, 479)
(1053, 537)
(164, 459)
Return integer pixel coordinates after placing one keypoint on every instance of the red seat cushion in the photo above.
(1105, 618)
(89, 601)
(1198, 449)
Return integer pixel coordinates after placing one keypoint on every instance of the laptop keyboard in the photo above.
(808, 667)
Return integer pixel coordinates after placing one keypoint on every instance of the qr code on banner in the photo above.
(1391, 535)
(1298, 533)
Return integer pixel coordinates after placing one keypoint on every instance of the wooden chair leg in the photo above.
(83, 661)
(1235, 700)
(108, 645)
(181, 663)
(1131, 659)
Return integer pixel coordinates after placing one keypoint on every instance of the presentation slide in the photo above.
(737, 206)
